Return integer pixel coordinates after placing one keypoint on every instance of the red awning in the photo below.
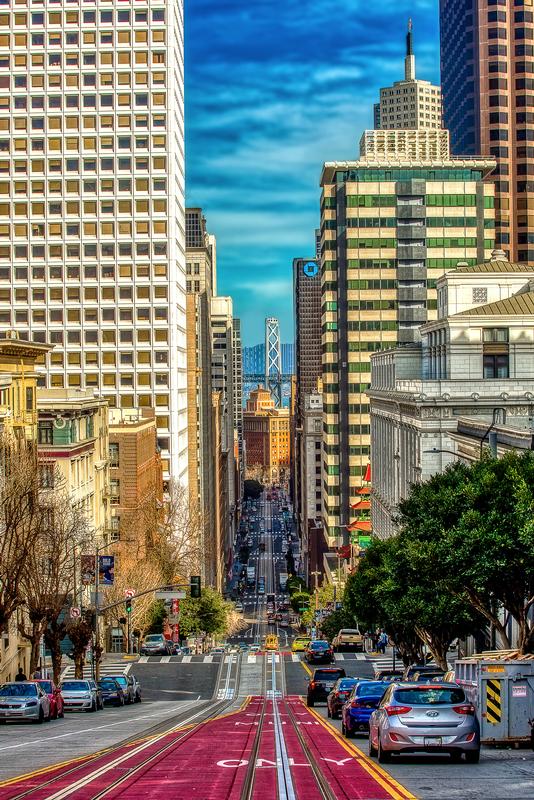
(367, 476)
(360, 525)
(364, 490)
(362, 505)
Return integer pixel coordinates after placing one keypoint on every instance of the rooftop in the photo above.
(518, 304)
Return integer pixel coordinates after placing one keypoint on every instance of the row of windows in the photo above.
(60, 209)
(90, 272)
(57, 294)
(38, 18)
(104, 250)
(74, 81)
(371, 305)
(121, 164)
(372, 284)
(91, 186)
(382, 175)
(88, 122)
(106, 59)
(104, 337)
(55, 145)
(373, 243)
(52, 229)
(93, 379)
(76, 38)
(57, 316)
(143, 358)
(103, 101)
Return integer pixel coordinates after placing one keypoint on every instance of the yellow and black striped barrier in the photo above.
(493, 701)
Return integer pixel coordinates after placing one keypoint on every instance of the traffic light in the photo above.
(128, 605)
(122, 620)
(194, 583)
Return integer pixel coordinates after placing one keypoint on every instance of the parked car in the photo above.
(24, 700)
(111, 691)
(126, 682)
(97, 693)
(348, 639)
(428, 718)
(216, 651)
(239, 607)
(155, 644)
(410, 671)
(339, 695)
(78, 695)
(300, 643)
(54, 696)
(361, 703)
(319, 650)
(321, 684)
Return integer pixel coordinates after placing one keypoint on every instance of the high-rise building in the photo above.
(222, 375)
(308, 371)
(237, 355)
(266, 433)
(200, 286)
(487, 61)
(390, 228)
(93, 241)
(410, 103)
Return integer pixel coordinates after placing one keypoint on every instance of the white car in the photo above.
(24, 700)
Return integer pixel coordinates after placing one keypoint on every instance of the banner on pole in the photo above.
(88, 569)
(106, 570)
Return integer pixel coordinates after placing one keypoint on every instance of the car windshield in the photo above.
(369, 690)
(350, 632)
(122, 679)
(75, 686)
(107, 683)
(430, 695)
(318, 645)
(46, 686)
(327, 674)
(18, 690)
(347, 684)
(154, 637)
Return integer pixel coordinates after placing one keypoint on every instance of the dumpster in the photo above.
(501, 687)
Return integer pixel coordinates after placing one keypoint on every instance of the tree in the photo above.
(53, 636)
(19, 519)
(332, 624)
(48, 579)
(207, 614)
(480, 520)
(139, 574)
(299, 600)
(80, 633)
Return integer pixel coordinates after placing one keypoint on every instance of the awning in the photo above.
(360, 525)
(364, 490)
(362, 505)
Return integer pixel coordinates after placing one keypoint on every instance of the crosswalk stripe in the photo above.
(186, 659)
(340, 657)
(208, 659)
(294, 657)
(165, 659)
(251, 659)
(143, 660)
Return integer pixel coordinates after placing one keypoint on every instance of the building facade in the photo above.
(409, 103)
(266, 432)
(472, 371)
(201, 286)
(73, 448)
(390, 229)
(487, 61)
(92, 222)
(135, 474)
(237, 355)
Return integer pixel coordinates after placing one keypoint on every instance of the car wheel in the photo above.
(328, 714)
(137, 698)
(372, 749)
(343, 729)
(94, 706)
(383, 756)
(309, 702)
(456, 755)
(472, 756)
(49, 715)
(62, 714)
(55, 715)
(40, 718)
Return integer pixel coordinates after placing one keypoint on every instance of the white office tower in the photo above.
(92, 241)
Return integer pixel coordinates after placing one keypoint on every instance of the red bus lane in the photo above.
(206, 761)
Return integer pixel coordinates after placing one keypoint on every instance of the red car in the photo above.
(55, 697)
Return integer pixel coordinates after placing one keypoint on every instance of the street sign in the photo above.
(129, 593)
(172, 594)
(75, 613)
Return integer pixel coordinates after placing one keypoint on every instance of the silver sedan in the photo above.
(427, 718)
(24, 700)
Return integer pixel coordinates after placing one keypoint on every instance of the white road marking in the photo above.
(165, 659)
(208, 659)
(143, 660)
(186, 659)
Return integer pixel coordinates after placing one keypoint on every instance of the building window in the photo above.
(114, 491)
(113, 455)
(480, 295)
(46, 433)
(495, 335)
(47, 476)
(496, 366)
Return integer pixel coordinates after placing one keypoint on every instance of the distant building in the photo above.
(409, 103)
(486, 76)
(267, 438)
(288, 358)
(254, 360)
(440, 399)
(237, 355)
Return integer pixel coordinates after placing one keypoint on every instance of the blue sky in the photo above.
(274, 89)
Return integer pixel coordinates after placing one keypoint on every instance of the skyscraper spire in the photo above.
(409, 61)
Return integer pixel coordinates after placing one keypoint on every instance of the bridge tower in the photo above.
(273, 360)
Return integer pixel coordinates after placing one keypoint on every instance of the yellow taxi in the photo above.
(300, 644)
(271, 642)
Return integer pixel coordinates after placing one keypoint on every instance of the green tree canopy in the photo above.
(206, 614)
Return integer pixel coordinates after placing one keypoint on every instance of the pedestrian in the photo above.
(20, 676)
(37, 675)
(382, 642)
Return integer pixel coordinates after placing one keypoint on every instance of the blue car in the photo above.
(363, 699)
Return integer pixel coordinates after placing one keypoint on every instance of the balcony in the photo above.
(411, 251)
(412, 314)
(409, 211)
(411, 293)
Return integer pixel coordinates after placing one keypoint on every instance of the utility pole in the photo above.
(316, 575)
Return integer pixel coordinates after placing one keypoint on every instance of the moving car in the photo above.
(255, 646)
(428, 718)
(54, 696)
(321, 684)
(339, 695)
(97, 693)
(239, 607)
(271, 642)
(319, 650)
(300, 644)
(24, 700)
(388, 675)
(155, 644)
(362, 701)
(410, 671)
(111, 691)
(78, 695)
(348, 639)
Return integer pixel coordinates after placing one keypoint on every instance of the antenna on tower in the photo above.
(409, 61)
